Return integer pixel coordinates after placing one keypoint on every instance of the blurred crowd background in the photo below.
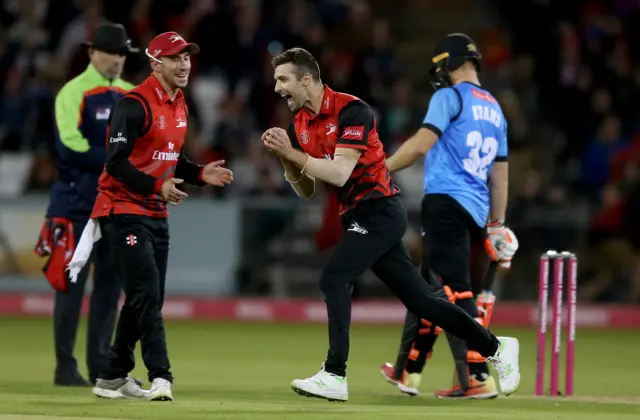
(567, 73)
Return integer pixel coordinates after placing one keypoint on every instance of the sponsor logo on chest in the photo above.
(180, 122)
(305, 137)
(319, 140)
(331, 128)
(169, 155)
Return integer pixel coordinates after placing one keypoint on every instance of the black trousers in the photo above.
(449, 232)
(373, 239)
(102, 313)
(141, 246)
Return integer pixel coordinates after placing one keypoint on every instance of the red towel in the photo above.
(57, 242)
(331, 230)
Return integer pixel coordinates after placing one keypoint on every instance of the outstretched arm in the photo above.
(413, 149)
(444, 107)
(189, 171)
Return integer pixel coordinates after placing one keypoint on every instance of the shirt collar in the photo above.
(161, 94)
(327, 104)
(328, 101)
(96, 77)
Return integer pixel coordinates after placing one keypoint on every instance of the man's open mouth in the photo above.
(288, 98)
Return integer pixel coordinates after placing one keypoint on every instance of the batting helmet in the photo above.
(451, 52)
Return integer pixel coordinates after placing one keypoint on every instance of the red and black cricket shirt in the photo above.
(145, 142)
(346, 121)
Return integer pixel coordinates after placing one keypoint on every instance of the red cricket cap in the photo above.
(170, 43)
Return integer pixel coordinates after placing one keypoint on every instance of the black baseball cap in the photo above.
(454, 50)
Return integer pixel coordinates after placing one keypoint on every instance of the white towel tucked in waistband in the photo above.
(90, 235)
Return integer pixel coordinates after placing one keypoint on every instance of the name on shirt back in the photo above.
(485, 113)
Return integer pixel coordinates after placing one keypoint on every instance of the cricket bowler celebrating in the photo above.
(334, 139)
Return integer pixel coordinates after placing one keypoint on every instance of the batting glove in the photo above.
(501, 243)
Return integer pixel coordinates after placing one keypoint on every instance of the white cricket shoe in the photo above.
(119, 388)
(160, 390)
(506, 364)
(323, 385)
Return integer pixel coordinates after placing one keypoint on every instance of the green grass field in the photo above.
(243, 371)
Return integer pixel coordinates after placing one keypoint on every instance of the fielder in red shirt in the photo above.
(145, 162)
(334, 139)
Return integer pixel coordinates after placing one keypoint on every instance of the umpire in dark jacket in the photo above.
(82, 109)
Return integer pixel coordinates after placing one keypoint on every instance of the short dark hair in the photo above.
(304, 61)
